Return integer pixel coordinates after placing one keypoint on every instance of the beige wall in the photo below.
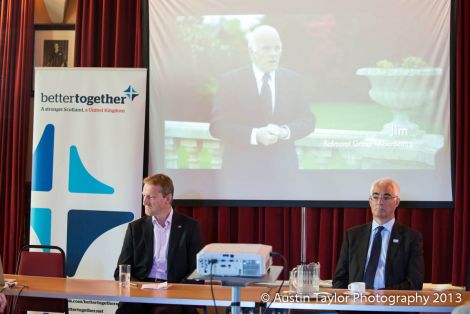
(41, 16)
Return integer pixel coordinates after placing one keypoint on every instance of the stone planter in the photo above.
(401, 90)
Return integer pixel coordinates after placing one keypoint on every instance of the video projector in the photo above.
(234, 259)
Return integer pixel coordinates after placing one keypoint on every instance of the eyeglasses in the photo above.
(385, 198)
(149, 197)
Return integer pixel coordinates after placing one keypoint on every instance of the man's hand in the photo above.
(282, 132)
(266, 136)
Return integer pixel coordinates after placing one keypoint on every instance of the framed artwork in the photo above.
(54, 45)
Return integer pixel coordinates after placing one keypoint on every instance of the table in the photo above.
(109, 290)
(252, 296)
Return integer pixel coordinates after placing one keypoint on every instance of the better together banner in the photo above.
(88, 142)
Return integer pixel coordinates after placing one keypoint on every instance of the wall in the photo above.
(41, 16)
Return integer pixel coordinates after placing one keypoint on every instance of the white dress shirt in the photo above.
(379, 281)
(160, 248)
(259, 82)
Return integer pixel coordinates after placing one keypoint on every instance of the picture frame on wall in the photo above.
(54, 45)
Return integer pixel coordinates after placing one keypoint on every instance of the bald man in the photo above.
(260, 110)
(399, 264)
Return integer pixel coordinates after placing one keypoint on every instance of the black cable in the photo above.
(17, 297)
(14, 299)
(212, 262)
(274, 254)
(10, 301)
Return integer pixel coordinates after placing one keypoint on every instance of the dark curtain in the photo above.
(108, 33)
(461, 215)
(103, 40)
(280, 227)
(16, 52)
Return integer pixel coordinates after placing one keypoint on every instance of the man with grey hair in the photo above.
(260, 110)
(384, 253)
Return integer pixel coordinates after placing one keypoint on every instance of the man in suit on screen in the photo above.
(384, 253)
(260, 110)
(161, 246)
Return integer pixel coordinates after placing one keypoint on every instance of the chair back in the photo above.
(2, 277)
(47, 264)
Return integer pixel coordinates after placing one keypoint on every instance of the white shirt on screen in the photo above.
(259, 84)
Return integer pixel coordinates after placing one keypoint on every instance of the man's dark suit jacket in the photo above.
(184, 243)
(237, 110)
(404, 265)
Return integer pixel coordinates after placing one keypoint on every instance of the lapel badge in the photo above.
(396, 241)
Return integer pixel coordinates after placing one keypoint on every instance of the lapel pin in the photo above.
(396, 240)
(179, 226)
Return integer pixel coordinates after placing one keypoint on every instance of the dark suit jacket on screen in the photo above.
(184, 243)
(404, 265)
(237, 110)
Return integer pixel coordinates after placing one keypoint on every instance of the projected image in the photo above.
(370, 113)
(300, 100)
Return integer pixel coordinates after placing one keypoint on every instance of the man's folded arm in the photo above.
(341, 278)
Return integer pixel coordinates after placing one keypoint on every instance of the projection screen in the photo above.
(358, 90)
